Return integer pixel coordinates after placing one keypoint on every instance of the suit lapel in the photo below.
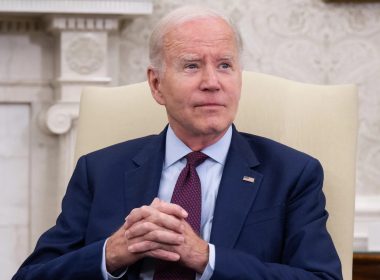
(142, 181)
(235, 195)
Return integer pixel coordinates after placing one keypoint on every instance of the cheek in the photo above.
(234, 100)
(182, 97)
(178, 103)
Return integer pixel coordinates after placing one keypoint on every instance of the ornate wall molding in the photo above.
(59, 117)
(116, 7)
(20, 25)
(84, 23)
(83, 58)
(84, 55)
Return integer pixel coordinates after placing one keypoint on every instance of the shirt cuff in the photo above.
(209, 270)
(106, 275)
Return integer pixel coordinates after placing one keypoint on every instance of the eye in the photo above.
(225, 65)
(191, 66)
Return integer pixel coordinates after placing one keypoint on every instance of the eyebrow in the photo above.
(196, 58)
(227, 58)
(187, 58)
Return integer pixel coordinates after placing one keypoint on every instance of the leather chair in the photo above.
(316, 119)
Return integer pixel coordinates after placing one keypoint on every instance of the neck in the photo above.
(201, 141)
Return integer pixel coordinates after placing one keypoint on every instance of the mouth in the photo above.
(209, 105)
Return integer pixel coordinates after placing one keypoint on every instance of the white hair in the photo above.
(177, 17)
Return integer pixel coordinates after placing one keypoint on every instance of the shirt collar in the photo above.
(176, 149)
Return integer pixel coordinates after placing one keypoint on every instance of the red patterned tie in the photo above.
(187, 193)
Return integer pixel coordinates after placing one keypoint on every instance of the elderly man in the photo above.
(200, 200)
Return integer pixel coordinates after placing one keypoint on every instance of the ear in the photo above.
(154, 81)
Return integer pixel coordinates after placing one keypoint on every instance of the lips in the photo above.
(209, 105)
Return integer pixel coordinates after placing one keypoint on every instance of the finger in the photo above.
(167, 221)
(140, 228)
(163, 255)
(144, 246)
(160, 235)
(155, 217)
(169, 208)
(138, 214)
(145, 211)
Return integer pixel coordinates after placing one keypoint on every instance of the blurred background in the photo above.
(50, 49)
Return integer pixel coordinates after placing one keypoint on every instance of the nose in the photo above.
(210, 80)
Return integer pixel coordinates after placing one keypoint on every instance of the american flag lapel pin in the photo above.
(249, 179)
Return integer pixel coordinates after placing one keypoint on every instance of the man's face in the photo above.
(201, 80)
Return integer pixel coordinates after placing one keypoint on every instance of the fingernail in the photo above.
(184, 213)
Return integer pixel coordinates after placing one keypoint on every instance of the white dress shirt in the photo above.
(209, 172)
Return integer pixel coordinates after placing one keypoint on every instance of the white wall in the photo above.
(14, 187)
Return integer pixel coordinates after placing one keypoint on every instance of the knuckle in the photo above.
(144, 210)
(154, 219)
(150, 225)
(133, 212)
(161, 216)
(157, 253)
(158, 202)
(146, 226)
(150, 245)
(154, 235)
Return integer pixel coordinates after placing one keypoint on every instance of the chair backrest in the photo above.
(318, 120)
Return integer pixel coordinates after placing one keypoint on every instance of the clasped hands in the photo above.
(159, 231)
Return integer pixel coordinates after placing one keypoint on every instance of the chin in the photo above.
(215, 129)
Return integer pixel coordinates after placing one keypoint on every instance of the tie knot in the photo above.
(196, 158)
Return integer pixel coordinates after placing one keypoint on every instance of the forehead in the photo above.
(210, 33)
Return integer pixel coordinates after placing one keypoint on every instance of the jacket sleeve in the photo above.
(308, 251)
(62, 252)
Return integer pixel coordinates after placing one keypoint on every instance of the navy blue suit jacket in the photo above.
(273, 228)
